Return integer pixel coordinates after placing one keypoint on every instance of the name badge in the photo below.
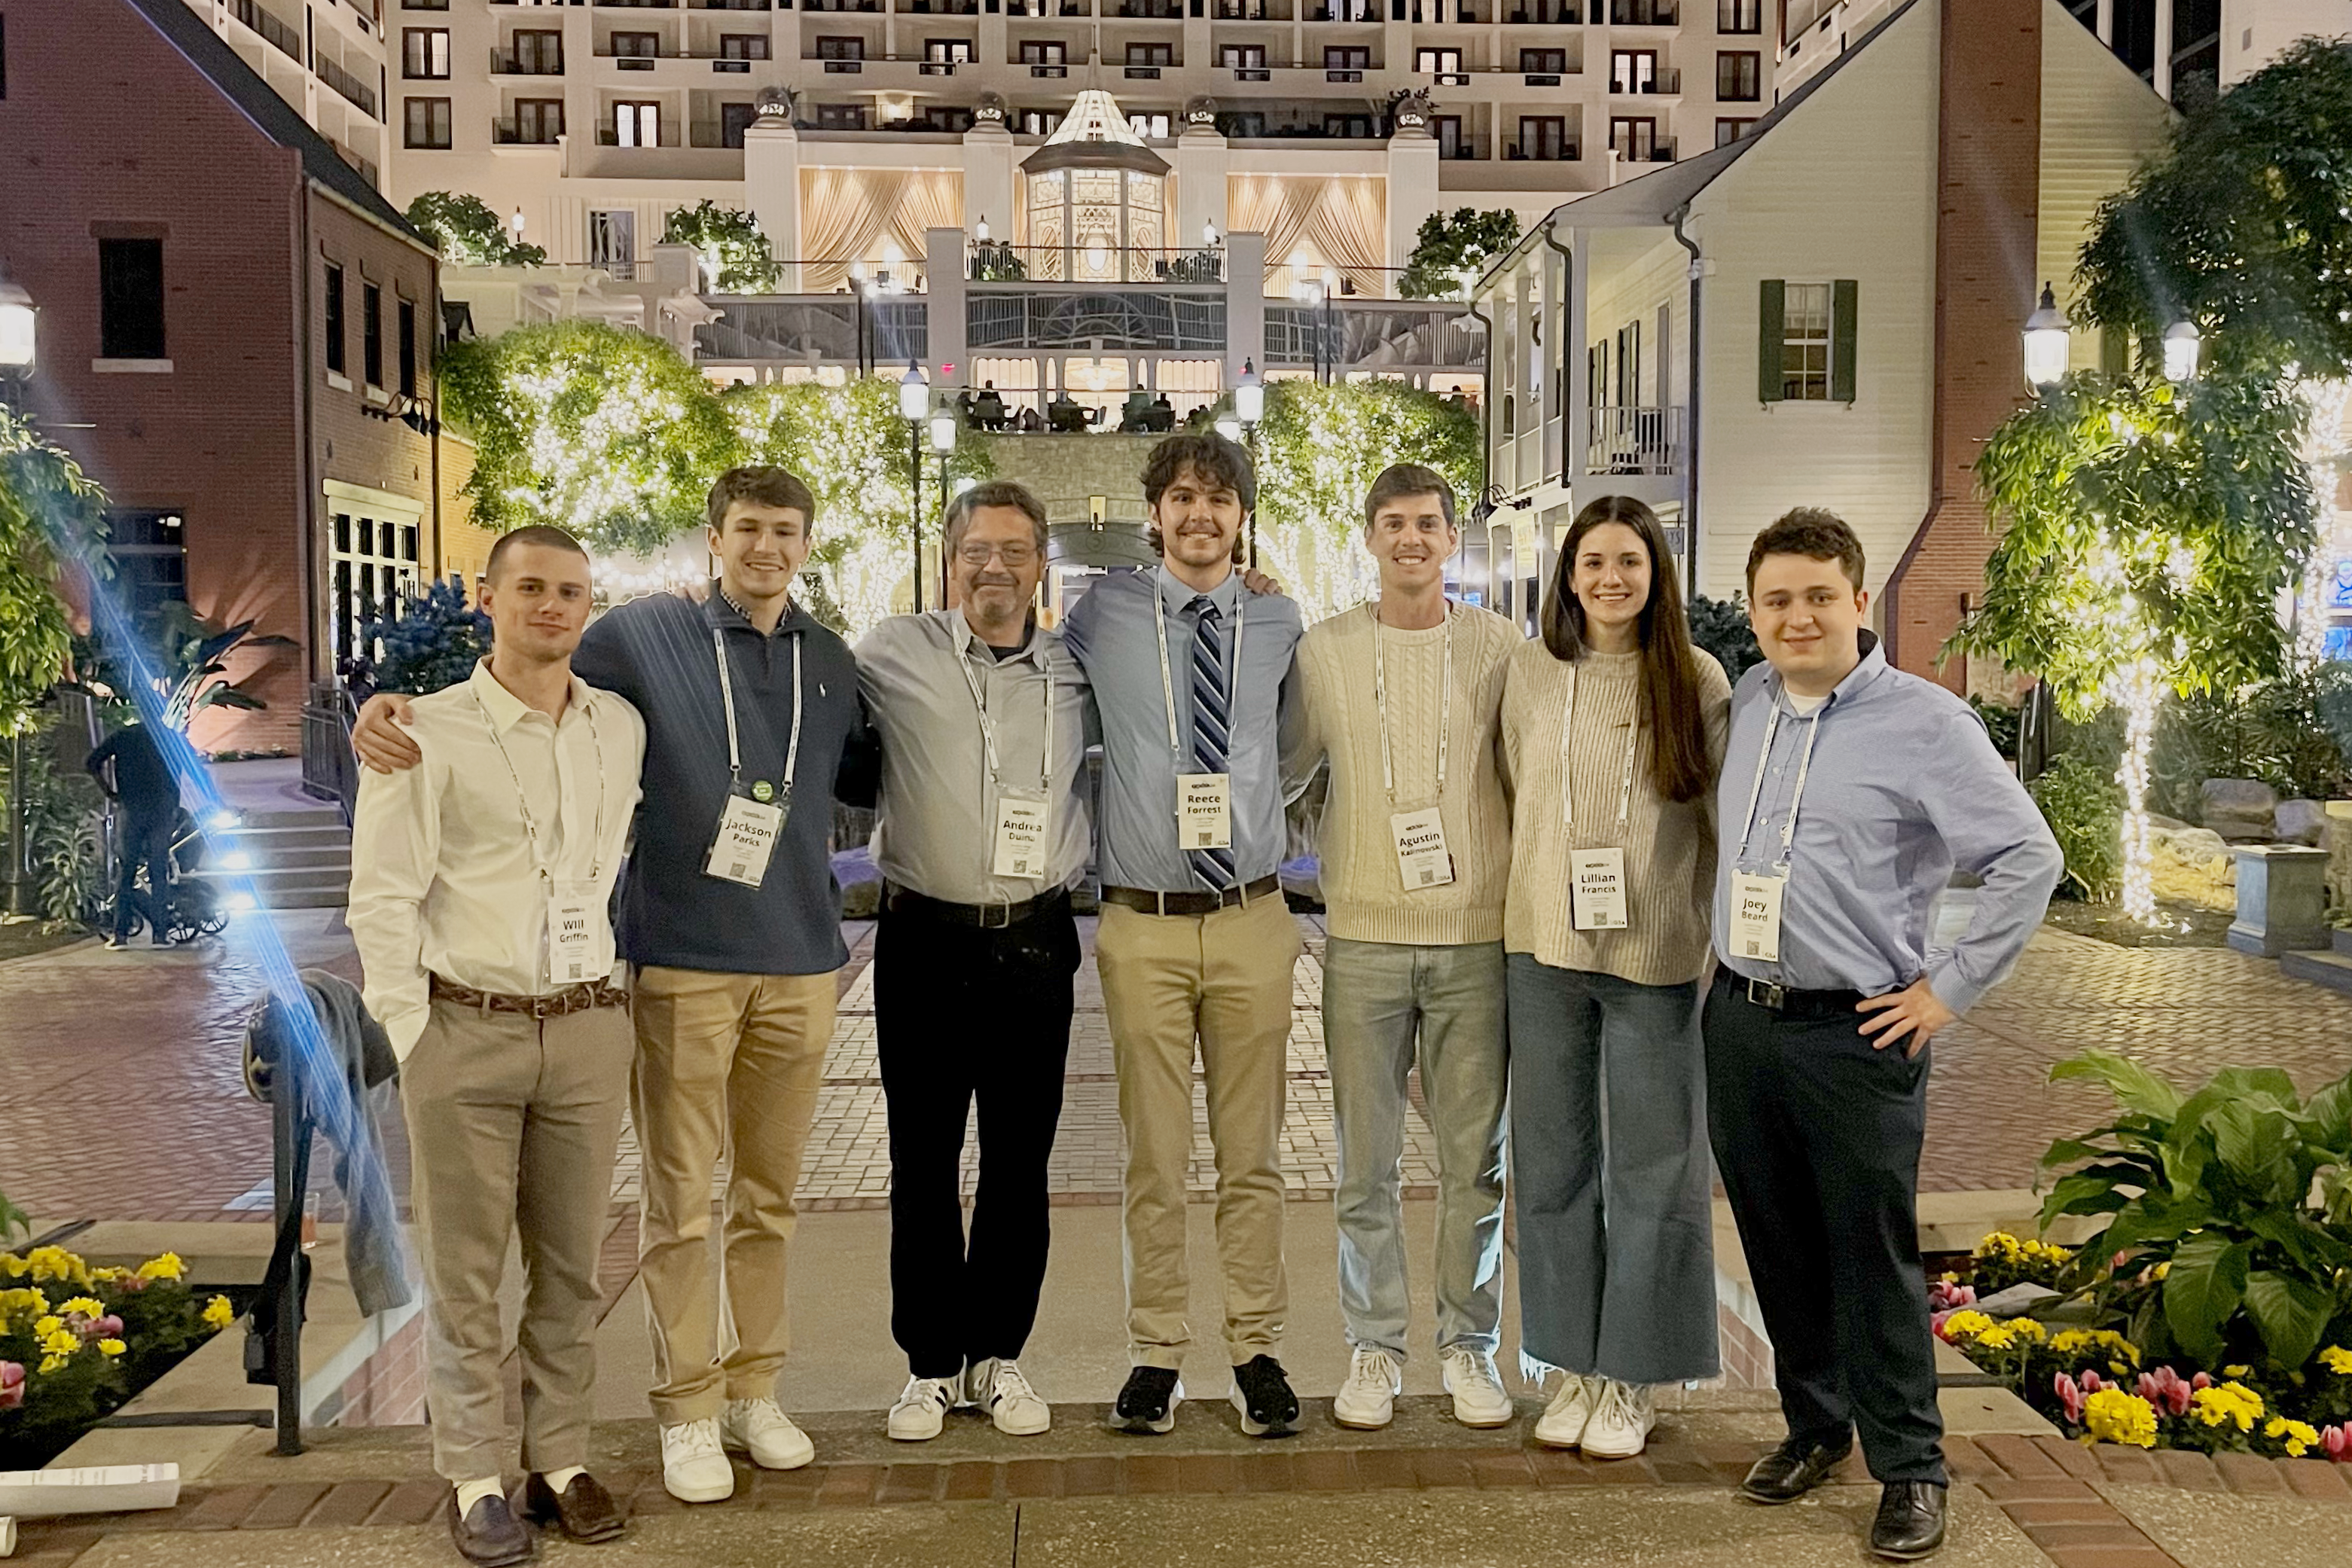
(1022, 822)
(1597, 895)
(1204, 817)
(1755, 915)
(1422, 857)
(746, 837)
(574, 915)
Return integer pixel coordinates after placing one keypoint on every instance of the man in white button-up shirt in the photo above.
(481, 882)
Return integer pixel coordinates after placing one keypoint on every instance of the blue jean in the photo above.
(1383, 1004)
(1609, 1156)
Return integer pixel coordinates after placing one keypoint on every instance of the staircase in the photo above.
(2332, 968)
(293, 849)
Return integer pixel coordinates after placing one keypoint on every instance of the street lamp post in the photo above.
(1249, 407)
(2047, 343)
(914, 408)
(2182, 344)
(943, 440)
(1329, 335)
(19, 351)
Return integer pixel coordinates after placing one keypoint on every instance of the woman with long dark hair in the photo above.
(1614, 730)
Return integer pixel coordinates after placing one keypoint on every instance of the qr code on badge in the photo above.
(1427, 877)
(1755, 949)
(740, 869)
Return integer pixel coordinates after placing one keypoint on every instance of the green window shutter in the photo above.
(1841, 343)
(1771, 336)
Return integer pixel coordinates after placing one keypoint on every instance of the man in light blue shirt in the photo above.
(1850, 792)
(1190, 675)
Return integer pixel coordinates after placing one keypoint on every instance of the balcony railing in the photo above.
(943, 7)
(1252, 11)
(1655, 152)
(1634, 440)
(1644, 14)
(666, 134)
(357, 92)
(285, 41)
(1034, 8)
(1463, 149)
(513, 133)
(1151, 10)
(1543, 16)
(1143, 73)
(866, 6)
(1047, 69)
(1342, 73)
(505, 62)
(1663, 81)
(733, 5)
(1373, 333)
(1544, 152)
(998, 262)
(1543, 79)
(815, 329)
(844, 68)
(1250, 73)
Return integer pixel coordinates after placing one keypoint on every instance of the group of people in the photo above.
(1535, 855)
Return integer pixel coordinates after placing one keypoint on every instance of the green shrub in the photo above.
(435, 643)
(1720, 626)
(2084, 811)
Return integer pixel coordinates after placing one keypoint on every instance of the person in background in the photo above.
(143, 786)
(1613, 729)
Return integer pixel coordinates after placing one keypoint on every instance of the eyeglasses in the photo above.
(975, 552)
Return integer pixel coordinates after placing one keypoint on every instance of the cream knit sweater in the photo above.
(1364, 894)
(1669, 849)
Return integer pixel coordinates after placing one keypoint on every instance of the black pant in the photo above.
(1817, 1135)
(958, 1013)
(146, 840)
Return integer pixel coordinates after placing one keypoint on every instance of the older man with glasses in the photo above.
(984, 830)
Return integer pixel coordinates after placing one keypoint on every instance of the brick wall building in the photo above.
(233, 324)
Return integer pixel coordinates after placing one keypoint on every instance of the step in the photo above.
(2333, 970)
(327, 816)
(280, 859)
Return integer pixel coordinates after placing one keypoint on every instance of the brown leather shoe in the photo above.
(585, 1512)
(488, 1534)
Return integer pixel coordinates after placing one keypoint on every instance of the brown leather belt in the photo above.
(555, 1005)
(1151, 903)
(987, 917)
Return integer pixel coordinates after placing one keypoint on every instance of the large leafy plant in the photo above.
(2228, 1233)
(727, 241)
(435, 641)
(468, 233)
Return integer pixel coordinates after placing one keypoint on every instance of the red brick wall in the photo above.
(388, 1389)
(1990, 101)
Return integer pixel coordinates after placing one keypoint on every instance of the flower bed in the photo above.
(75, 1342)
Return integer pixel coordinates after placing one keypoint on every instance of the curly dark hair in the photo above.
(1214, 461)
(1812, 531)
(767, 486)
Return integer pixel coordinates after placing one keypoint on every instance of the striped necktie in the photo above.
(1211, 728)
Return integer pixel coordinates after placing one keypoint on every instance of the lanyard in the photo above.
(1167, 685)
(1566, 769)
(539, 859)
(1804, 767)
(1444, 703)
(988, 722)
(727, 696)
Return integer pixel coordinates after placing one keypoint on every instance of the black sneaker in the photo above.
(1262, 1394)
(1148, 1404)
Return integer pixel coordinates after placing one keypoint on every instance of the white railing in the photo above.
(1634, 440)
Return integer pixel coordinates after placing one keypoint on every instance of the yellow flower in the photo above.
(51, 1363)
(2088, 1343)
(111, 1347)
(2112, 1416)
(167, 1267)
(1966, 1324)
(2027, 1329)
(110, 1274)
(2299, 1435)
(87, 1305)
(56, 1263)
(15, 1265)
(65, 1342)
(2164, 1268)
(46, 1326)
(2231, 1404)
(219, 1314)
(1999, 1337)
(2338, 1359)
(2235, 1371)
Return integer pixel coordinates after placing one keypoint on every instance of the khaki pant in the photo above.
(733, 1060)
(511, 1127)
(1225, 980)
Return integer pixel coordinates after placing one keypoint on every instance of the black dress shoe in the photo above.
(488, 1534)
(585, 1510)
(1910, 1522)
(1792, 1470)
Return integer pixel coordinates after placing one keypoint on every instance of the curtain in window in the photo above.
(846, 214)
(1340, 220)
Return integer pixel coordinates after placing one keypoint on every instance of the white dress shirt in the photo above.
(453, 860)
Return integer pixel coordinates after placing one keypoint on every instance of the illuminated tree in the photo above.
(49, 524)
(1448, 247)
(466, 233)
(1319, 449)
(732, 252)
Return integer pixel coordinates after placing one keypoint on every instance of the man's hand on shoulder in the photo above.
(381, 737)
(1258, 583)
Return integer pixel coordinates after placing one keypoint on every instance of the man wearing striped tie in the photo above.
(1191, 675)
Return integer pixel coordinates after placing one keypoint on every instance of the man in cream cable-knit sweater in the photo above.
(1403, 697)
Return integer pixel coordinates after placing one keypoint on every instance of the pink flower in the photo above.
(2070, 1394)
(133, 1283)
(1944, 1297)
(2091, 1384)
(1936, 1319)
(2167, 1390)
(2336, 1440)
(12, 1384)
(2204, 1379)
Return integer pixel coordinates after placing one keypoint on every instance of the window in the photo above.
(149, 548)
(832, 49)
(1742, 16)
(1543, 137)
(1596, 375)
(1150, 53)
(537, 52)
(1437, 62)
(948, 119)
(1150, 127)
(637, 45)
(334, 321)
(734, 119)
(1806, 341)
(1353, 127)
(372, 333)
(1633, 70)
(1451, 142)
(1739, 76)
(408, 348)
(426, 121)
(841, 117)
(742, 46)
(1346, 58)
(1543, 62)
(538, 120)
(131, 299)
(1242, 57)
(613, 242)
(424, 53)
(1043, 53)
(1039, 121)
(1729, 130)
(948, 51)
(374, 568)
(1635, 141)
(1629, 365)
(637, 124)
(425, 5)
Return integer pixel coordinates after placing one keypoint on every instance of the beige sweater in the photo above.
(1669, 849)
(1364, 893)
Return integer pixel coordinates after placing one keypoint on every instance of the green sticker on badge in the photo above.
(763, 791)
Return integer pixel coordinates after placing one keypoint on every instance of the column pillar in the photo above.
(1245, 304)
(1203, 160)
(772, 183)
(943, 270)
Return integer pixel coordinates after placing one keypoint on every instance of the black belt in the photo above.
(899, 900)
(1151, 903)
(1787, 1000)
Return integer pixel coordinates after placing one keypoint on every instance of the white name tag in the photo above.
(1021, 836)
(1597, 895)
(1204, 818)
(746, 837)
(1755, 915)
(574, 916)
(1422, 857)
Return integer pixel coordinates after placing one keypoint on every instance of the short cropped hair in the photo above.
(534, 533)
(996, 493)
(1400, 479)
(1213, 460)
(765, 485)
(1812, 531)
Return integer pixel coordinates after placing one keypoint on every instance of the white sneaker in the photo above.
(694, 1464)
(998, 1387)
(760, 1428)
(1562, 1424)
(922, 1408)
(1624, 1415)
(1479, 1397)
(1366, 1400)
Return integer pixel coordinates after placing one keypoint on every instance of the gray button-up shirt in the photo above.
(1903, 786)
(937, 831)
(1109, 630)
